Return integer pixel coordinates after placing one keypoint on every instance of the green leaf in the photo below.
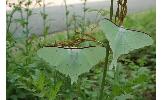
(124, 97)
(122, 40)
(53, 91)
(72, 62)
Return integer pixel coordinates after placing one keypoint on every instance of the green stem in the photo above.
(67, 20)
(104, 73)
(44, 19)
(27, 30)
(115, 82)
(106, 58)
(10, 20)
(84, 16)
(75, 24)
(111, 10)
(27, 18)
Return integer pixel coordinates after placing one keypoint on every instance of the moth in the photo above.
(72, 61)
(123, 40)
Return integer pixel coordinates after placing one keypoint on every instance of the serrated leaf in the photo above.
(72, 62)
(122, 40)
(53, 91)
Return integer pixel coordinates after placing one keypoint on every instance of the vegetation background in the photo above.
(30, 78)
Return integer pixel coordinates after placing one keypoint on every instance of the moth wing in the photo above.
(109, 28)
(128, 40)
(52, 55)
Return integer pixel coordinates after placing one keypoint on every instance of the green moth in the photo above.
(72, 61)
(122, 40)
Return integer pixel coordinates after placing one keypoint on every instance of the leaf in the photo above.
(53, 91)
(39, 80)
(122, 40)
(72, 62)
(124, 97)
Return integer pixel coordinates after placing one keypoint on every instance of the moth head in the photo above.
(121, 29)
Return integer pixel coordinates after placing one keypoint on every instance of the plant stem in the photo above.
(106, 58)
(27, 29)
(104, 73)
(10, 20)
(44, 19)
(75, 23)
(67, 21)
(27, 18)
(111, 10)
(84, 16)
(115, 82)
